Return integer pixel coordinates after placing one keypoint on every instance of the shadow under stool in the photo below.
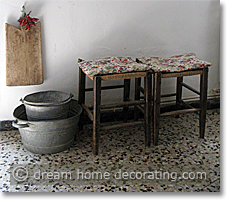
(110, 69)
(179, 66)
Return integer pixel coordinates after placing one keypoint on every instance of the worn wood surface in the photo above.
(156, 105)
(122, 125)
(107, 87)
(23, 56)
(96, 113)
(147, 107)
(119, 76)
(126, 96)
(182, 74)
(88, 112)
(178, 112)
(190, 88)
(179, 92)
(203, 101)
(122, 104)
(137, 97)
(81, 96)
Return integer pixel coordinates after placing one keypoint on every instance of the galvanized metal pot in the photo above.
(48, 136)
(46, 105)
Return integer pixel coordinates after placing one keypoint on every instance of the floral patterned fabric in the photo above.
(111, 65)
(174, 64)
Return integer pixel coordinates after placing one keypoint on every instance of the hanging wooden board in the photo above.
(23, 56)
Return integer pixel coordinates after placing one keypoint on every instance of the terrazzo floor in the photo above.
(180, 150)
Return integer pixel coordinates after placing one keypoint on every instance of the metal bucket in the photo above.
(47, 105)
(49, 136)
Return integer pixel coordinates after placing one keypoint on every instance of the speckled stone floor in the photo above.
(179, 151)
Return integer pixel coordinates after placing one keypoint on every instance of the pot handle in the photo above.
(71, 95)
(16, 125)
(22, 100)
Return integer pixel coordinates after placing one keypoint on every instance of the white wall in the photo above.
(94, 29)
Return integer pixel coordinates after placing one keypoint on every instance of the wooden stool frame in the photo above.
(156, 99)
(97, 107)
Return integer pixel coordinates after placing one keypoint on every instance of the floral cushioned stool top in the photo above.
(111, 65)
(174, 64)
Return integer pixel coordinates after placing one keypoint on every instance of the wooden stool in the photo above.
(102, 70)
(179, 67)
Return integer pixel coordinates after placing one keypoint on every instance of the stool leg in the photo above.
(126, 97)
(81, 96)
(137, 97)
(156, 105)
(148, 108)
(203, 101)
(178, 93)
(96, 113)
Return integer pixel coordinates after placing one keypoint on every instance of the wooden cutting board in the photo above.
(23, 56)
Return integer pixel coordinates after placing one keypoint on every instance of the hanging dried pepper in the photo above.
(26, 20)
